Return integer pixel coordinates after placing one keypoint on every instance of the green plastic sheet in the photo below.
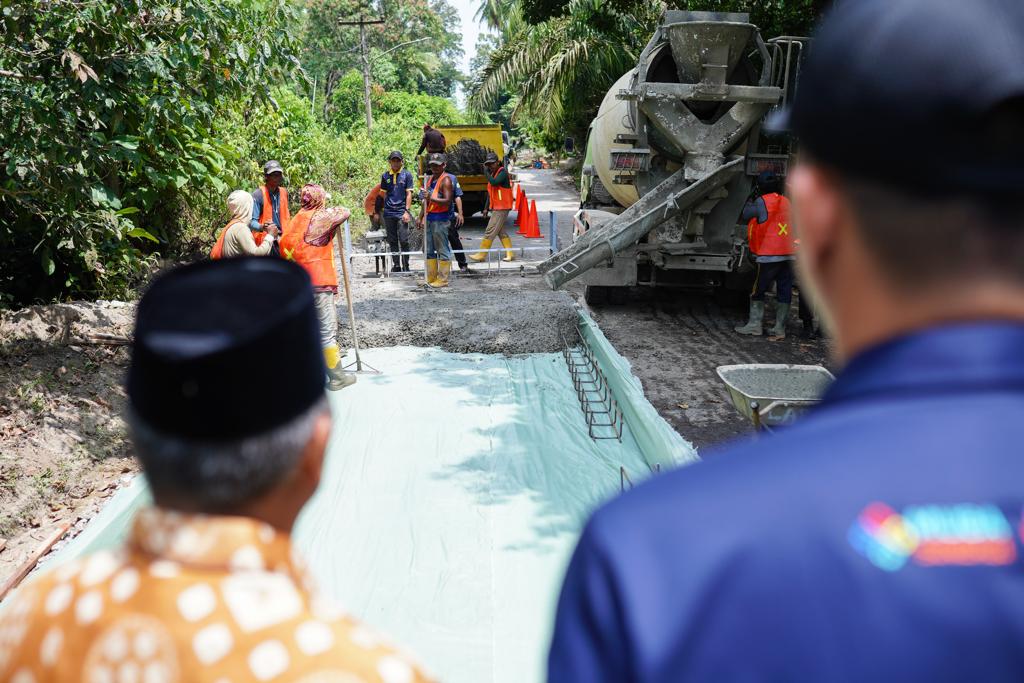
(454, 490)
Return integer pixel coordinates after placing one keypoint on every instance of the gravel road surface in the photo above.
(674, 340)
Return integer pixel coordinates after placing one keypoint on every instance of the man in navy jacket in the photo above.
(878, 539)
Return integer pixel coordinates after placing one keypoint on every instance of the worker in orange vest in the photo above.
(309, 241)
(499, 204)
(772, 241)
(237, 239)
(270, 202)
(435, 218)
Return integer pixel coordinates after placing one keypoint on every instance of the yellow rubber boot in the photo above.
(337, 378)
(444, 269)
(506, 242)
(431, 270)
(481, 255)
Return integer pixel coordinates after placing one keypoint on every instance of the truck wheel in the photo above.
(595, 294)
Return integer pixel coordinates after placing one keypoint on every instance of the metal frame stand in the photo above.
(600, 409)
(360, 367)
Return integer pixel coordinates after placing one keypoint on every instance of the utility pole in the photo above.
(364, 54)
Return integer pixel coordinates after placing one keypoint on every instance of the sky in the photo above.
(470, 30)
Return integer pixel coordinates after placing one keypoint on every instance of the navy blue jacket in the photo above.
(878, 539)
(396, 185)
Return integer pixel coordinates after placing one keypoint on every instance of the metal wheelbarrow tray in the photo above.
(774, 395)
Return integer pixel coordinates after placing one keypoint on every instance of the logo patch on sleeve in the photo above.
(929, 535)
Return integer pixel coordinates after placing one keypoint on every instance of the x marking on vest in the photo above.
(288, 254)
(783, 229)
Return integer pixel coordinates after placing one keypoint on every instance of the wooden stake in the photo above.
(26, 568)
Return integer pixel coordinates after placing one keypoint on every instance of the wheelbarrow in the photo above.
(774, 395)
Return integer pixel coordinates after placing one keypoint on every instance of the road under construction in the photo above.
(463, 525)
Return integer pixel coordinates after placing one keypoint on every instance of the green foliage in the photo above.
(347, 111)
(346, 161)
(419, 42)
(773, 17)
(346, 106)
(106, 114)
(562, 68)
(281, 128)
(417, 109)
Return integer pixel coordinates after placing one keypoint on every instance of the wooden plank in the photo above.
(33, 559)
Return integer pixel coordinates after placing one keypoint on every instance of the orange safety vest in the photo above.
(318, 261)
(774, 237)
(501, 197)
(432, 190)
(218, 248)
(267, 215)
(370, 203)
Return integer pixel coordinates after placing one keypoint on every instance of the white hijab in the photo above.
(240, 206)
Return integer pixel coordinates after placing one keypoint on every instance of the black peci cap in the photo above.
(926, 95)
(203, 336)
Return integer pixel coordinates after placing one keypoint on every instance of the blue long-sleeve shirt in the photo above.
(755, 208)
(257, 209)
(874, 540)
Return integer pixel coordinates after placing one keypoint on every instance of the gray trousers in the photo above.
(327, 314)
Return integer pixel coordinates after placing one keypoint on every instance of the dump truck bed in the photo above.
(466, 150)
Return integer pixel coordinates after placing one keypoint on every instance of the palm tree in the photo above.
(562, 67)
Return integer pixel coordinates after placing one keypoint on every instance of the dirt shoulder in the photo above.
(62, 441)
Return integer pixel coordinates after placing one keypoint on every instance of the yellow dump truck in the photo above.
(467, 147)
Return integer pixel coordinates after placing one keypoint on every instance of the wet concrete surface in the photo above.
(674, 339)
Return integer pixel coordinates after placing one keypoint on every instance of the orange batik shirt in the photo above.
(190, 598)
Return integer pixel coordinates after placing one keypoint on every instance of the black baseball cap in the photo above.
(926, 95)
(491, 158)
(396, 155)
(436, 158)
(272, 167)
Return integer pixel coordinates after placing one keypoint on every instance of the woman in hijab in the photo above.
(237, 239)
(309, 241)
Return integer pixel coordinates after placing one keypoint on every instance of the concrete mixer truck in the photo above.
(673, 154)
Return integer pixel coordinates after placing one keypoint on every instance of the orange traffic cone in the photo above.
(522, 211)
(533, 229)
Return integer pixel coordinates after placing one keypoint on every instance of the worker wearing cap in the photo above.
(499, 204)
(879, 537)
(772, 240)
(208, 585)
(395, 203)
(270, 202)
(435, 219)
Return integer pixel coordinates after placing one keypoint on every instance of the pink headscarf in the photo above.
(324, 222)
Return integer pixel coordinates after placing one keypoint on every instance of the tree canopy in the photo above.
(106, 112)
(125, 123)
(560, 57)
